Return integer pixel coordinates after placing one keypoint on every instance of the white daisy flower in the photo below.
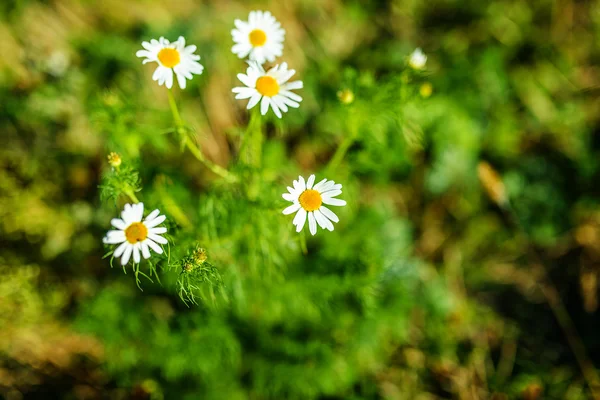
(135, 235)
(272, 87)
(308, 201)
(417, 59)
(260, 38)
(171, 57)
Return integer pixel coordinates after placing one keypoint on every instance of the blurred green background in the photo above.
(465, 265)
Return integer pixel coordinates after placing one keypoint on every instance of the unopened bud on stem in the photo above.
(114, 160)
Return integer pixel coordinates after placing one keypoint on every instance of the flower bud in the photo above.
(114, 160)
(200, 255)
(345, 96)
(426, 90)
(417, 59)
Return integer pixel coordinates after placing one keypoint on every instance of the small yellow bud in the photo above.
(345, 96)
(114, 160)
(426, 90)
(200, 255)
(187, 267)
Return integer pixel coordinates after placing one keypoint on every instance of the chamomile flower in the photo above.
(135, 235)
(309, 203)
(171, 57)
(270, 88)
(417, 59)
(260, 38)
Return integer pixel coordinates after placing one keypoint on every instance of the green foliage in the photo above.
(119, 181)
(196, 275)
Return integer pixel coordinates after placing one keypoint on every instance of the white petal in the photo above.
(121, 249)
(291, 209)
(118, 223)
(143, 54)
(302, 183)
(293, 191)
(334, 202)
(157, 249)
(158, 72)
(169, 78)
(311, 180)
(136, 253)
(191, 49)
(285, 76)
(292, 85)
(157, 239)
(145, 250)
(152, 215)
(264, 105)
(278, 100)
(331, 185)
(329, 214)
(254, 100)
(126, 254)
(297, 187)
(323, 221)
(312, 224)
(300, 219)
(273, 71)
(289, 196)
(241, 24)
(324, 186)
(195, 67)
(245, 79)
(127, 214)
(290, 95)
(244, 92)
(158, 231)
(331, 193)
(289, 102)
(319, 185)
(181, 80)
(241, 50)
(257, 55)
(155, 221)
(138, 212)
(114, 238)
(276, 109)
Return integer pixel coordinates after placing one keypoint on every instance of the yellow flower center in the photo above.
(267, 86)
(136, 232)
(310, 200)
(257, 38)
(169, 57)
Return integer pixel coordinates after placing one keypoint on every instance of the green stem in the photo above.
(303, 246)
(342, 149)
(251, 153)
(257, 140)
(192, 147)
(175, 110)
(251, 147)
(217, 169)
(131, 195)
(340, 153)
